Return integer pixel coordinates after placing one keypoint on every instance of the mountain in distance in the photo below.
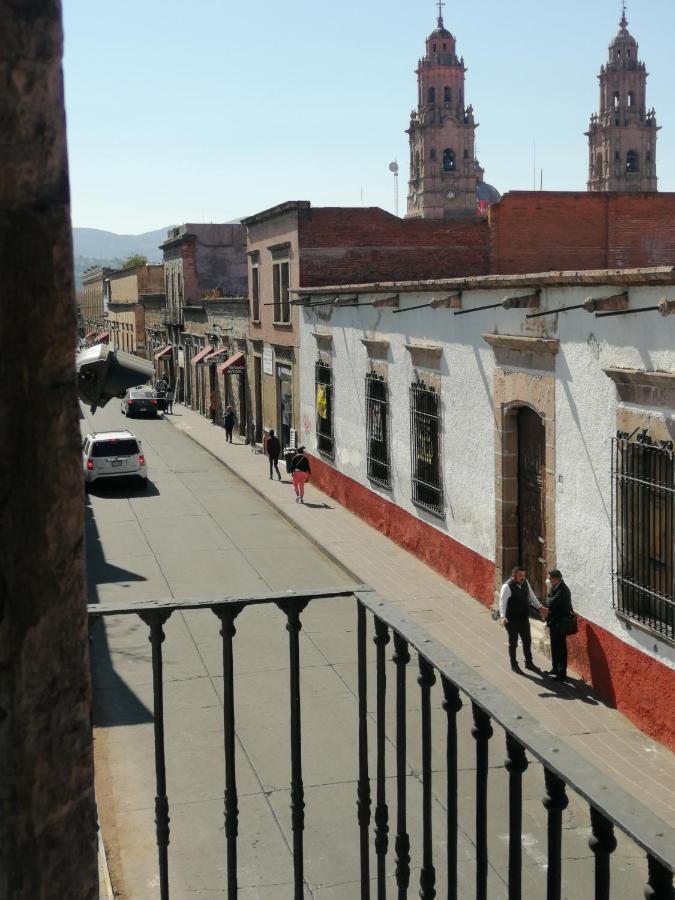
(95, 244)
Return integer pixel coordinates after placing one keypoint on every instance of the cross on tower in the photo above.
(624, 21)
(441, 4)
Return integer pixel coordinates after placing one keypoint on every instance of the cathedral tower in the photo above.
(622, 136)
(444, 171)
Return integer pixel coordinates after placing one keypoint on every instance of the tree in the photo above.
(136, 260)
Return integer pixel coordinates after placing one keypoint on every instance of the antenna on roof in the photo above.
(393, 167)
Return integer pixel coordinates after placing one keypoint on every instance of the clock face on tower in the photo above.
(450, 195)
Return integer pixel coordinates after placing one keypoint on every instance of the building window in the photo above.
(466, 154)
(631, 98)
(377, 430)
(598, 164)
(255, 294)
(425, 411)
(447, 94)
(432, 153)
(281, 279)
(616, 99)
(643, 533)
(180, 288)
(449, 163)
(632, 161)
(323, 392)
(431, 95)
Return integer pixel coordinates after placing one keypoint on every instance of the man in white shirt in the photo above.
(515, 600)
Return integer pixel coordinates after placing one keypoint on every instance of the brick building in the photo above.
(295, 244)
(94, 300)
(126, 322)
(622, 135)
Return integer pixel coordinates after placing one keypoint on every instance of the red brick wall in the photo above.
(551, 231)
(354, 245)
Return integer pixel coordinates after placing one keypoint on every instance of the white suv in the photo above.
(113, 454)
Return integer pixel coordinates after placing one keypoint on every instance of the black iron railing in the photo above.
(643, 530)
(609, 805)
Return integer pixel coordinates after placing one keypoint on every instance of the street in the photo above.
(200, 531)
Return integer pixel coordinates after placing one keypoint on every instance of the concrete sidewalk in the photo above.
(608, 739)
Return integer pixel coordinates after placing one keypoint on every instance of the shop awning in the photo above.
(236, 360)
(199, 357)
(102, 338)
(214, 354)
(89, 334)
(164, 352)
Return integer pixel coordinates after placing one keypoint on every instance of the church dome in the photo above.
(624, 45)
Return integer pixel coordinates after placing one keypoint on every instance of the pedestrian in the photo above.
(169, 401)
(515, 600)
(228, 423)
(213, 407)
(559, 612)
(273, 450)
(300, 472)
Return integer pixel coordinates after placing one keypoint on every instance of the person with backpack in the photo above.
(515, 600)
(300, 472)
(273, 449)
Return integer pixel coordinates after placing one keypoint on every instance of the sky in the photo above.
(213, 110)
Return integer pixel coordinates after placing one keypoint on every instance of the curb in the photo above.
(105, 888)
(275, 506)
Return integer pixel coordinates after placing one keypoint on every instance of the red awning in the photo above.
(89, 334)
(212, 357)
(164, 352)
(237, 359)
(102, 338)
(198, 357)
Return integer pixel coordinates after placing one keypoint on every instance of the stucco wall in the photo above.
(585, 411)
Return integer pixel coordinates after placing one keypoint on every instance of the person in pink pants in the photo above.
(300, 472)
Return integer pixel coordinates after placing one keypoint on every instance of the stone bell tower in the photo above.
(444, 171)
(622, 136)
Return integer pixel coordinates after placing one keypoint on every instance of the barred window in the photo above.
(426, 472)
(643, 534)
(377, 429)
(280, 284)
(323, 392)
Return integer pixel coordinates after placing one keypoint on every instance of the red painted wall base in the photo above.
(642, 688)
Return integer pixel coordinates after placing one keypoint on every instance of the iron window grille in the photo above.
(377, 430)
(643, 533)
(280, 284)
(425, 457)
(323, 393)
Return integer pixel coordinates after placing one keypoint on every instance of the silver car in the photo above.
(140, 401)
(113, 454)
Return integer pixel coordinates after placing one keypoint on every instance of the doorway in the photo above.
(532, 497)
(257, 398)
(285, 404)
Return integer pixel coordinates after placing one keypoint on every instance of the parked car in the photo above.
(140, 401)
(113, 454)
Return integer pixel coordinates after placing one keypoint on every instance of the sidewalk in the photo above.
(608, 739)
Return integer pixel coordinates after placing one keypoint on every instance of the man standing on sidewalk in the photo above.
(559, 610)
(273, 448)
(300, 471)
(514, 605)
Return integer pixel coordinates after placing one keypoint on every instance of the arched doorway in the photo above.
(532, 496)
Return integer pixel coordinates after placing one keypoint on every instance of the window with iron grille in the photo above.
(323, 393)
(280, 284)
(425, 445)
(643, 533)
(377, 429)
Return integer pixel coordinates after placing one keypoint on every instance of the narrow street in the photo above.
(198, 530)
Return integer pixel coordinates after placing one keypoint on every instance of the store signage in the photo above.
(285, 373)
(267, 361)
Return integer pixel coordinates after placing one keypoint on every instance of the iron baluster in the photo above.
(660, 883)
(603, 843)
(515, 764)
(227, 615)
(381, 639)
(292, 609)
(156, 620)
(426, 680)
(481, 732)
(555, 802)
(401, 658)
(452, 704)
(363, 794)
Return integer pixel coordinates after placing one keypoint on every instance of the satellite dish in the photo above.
(393, 167)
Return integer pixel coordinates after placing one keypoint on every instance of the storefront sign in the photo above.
(267, 361)
(284, 373)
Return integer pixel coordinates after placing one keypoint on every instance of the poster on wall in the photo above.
(267, 361)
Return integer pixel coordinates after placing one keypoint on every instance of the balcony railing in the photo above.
(609, 805)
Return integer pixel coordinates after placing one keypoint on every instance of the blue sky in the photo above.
(211, 110)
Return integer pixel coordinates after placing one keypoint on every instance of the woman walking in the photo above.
(300, 471)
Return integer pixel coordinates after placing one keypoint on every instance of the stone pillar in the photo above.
(47, 810)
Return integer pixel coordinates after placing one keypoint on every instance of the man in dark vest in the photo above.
(514, 609)
(559, 609)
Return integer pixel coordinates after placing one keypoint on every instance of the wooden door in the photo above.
(531, 497)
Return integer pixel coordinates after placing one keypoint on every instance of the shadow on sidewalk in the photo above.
(571, 689)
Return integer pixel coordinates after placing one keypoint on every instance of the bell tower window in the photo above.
(431, 95)
(616, 99)
(447, 94)
(631, 98)
(449, 161)
(632, 162)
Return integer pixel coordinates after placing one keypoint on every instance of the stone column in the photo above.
(47, 810)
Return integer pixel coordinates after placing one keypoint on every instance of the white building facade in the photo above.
(480, 434)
